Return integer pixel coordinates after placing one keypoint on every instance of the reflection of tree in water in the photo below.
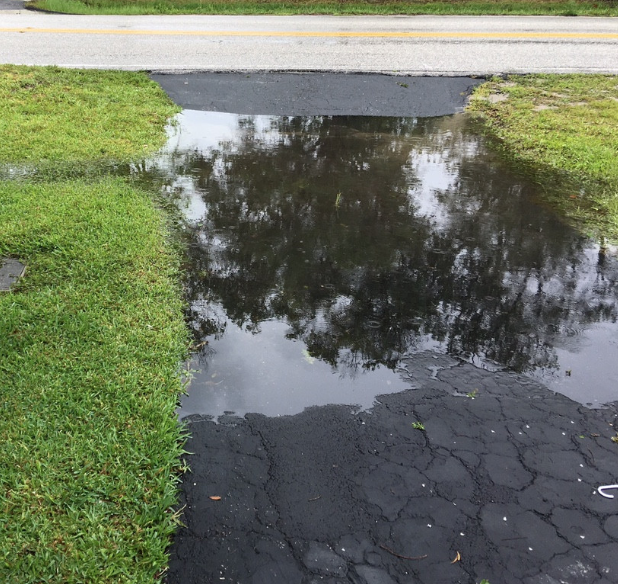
(365, 276)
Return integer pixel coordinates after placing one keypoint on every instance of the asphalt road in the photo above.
(407, 45)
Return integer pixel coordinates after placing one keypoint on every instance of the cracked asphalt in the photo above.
(468, 475)
(503, 476)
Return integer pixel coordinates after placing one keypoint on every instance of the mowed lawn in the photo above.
(521, 7)
(91, 339)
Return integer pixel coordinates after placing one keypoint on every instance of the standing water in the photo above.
(324, 250)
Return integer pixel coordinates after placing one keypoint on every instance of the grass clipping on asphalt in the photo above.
(564, 130)
(92, 337)
(446, 7)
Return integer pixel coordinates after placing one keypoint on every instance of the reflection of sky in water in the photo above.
(198, 131)
(266, 373)
(588, 371)
(491, 278)
(433, 176)
(204, 131)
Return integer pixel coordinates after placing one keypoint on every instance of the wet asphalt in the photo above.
(500, 486)
(467, 475)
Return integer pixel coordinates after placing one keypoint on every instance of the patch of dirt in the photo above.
(497, 97)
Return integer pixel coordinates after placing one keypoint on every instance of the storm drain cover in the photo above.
(10, 271)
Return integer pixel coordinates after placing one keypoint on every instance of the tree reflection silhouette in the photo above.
(370, 235)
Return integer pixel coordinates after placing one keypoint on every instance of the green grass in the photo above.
(564, 130)
(61, 115)
(522, 7)
(92, 339)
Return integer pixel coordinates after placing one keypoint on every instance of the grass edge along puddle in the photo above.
(563, 131)
(92, 337)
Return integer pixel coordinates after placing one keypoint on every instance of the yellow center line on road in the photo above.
(336, 34)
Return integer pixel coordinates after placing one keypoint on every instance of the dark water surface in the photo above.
(326, 249)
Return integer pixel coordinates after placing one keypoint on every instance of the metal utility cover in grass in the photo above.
(10, 271)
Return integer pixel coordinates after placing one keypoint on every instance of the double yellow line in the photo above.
(318, 34)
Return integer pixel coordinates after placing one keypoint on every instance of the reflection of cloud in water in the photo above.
(432, 177)
(582, 355)
(193, 130)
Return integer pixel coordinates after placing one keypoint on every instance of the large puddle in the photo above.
(326, 249)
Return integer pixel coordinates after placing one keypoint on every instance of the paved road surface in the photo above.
(324, 93)
(409, 45)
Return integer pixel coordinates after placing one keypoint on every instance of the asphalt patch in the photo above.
(472, 475)
(325, 94)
